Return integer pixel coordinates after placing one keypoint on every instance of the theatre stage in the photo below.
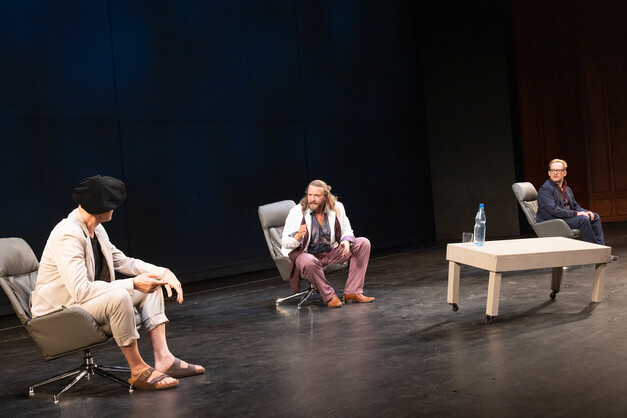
(408, 354)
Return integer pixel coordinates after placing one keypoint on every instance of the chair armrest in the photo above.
(283, 264)
(65, 331)
(553, 228)
(335, 267)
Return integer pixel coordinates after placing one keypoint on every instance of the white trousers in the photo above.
(117, 308)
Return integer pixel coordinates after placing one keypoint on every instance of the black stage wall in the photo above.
(467, 64)
(207, 109)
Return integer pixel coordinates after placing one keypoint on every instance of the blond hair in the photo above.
(329, 198)
(557, 160)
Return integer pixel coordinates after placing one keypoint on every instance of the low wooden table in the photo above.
(525, 254)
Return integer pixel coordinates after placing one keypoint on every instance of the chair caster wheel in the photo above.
(488, 319)
(553, 295)
(455, 307)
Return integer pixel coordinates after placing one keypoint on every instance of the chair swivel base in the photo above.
(304, 295)
(88, 368)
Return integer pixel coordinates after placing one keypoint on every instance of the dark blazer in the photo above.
(550, 205)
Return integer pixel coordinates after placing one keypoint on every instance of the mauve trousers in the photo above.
(118, 308)
(311, 265)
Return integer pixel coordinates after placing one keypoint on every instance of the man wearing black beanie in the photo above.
(77, 269)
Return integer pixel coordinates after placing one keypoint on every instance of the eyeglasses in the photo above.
(556, 171)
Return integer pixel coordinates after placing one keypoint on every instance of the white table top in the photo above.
(528, 253)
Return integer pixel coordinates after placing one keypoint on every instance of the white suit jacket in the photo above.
(295, 217)
(66, 271)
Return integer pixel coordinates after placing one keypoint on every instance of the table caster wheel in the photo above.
(488, 319)
(455, 307)
(553, 295)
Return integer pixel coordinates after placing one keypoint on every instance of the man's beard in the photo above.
(314, 206)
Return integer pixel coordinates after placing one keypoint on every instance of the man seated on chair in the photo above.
(556, 200)
(317, 233)
(78, 268)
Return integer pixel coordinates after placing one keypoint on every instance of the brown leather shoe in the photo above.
(335, 302)
(349, 298)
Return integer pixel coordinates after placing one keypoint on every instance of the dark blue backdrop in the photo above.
(207, 109)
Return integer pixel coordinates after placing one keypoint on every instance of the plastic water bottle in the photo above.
(479, 234)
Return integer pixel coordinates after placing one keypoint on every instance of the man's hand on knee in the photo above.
(347, 248)
(148, 283)
(173, 282)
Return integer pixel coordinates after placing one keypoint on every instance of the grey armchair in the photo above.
(56, 334)
(527, 197)
(272, 217)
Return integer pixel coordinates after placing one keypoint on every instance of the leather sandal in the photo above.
(176, 371)
(143, 381)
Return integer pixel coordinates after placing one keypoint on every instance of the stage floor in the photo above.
(405, 355)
